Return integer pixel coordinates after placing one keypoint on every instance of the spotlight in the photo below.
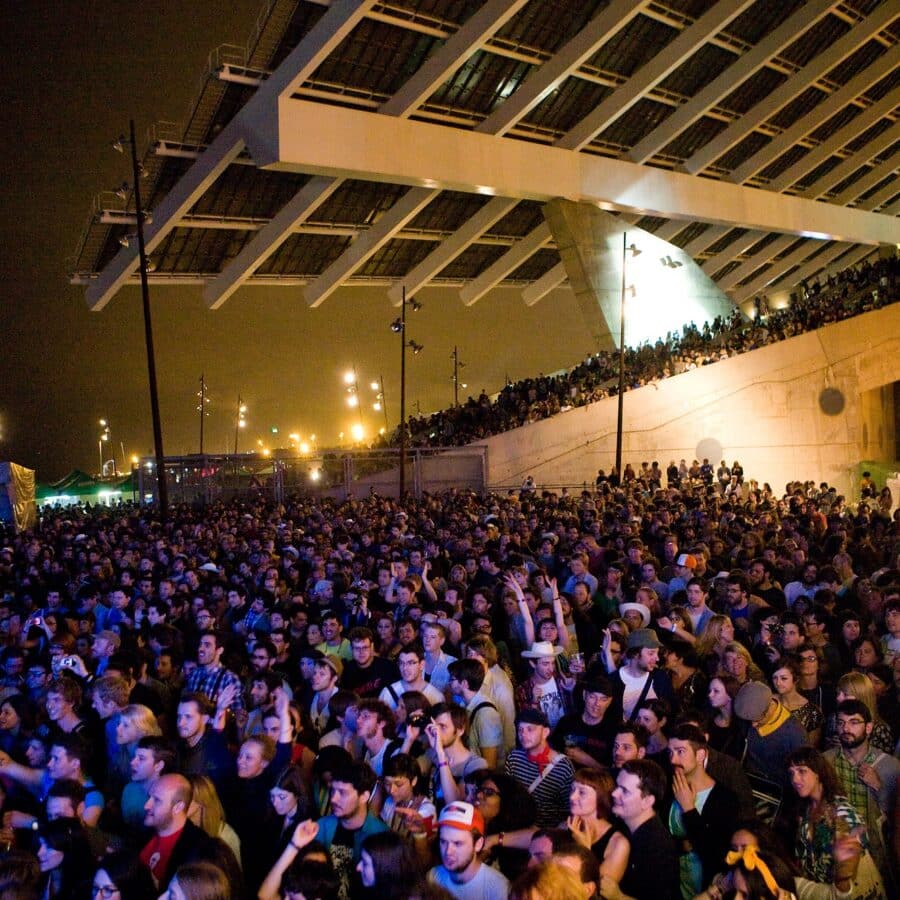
(397, 326)
(414, 305)
(124, 241)
(119, 144)
(633, 250)
(122, 191)
(416, 348)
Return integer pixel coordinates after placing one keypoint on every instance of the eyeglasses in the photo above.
(105, 890)
(853, 723)
(487, 792)
(809, 659)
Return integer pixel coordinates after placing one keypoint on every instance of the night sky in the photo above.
(73, 73)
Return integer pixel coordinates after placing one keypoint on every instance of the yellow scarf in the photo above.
(781, 716)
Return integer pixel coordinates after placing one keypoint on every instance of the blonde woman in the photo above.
(550, 880)
(719, 633)
(135, 722)
(736, 661)
(206, 812)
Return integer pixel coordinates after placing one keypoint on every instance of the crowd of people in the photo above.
(848, 293)
(644, 690)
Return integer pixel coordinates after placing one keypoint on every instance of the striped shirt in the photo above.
(552, 795)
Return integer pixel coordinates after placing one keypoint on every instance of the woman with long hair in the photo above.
(590, 821)
(206, 812)
(823, 817)
(784, 681)
(683, 666)
(122, 876)
(15, 716)
(65, 859)
(737, 662)
(134, 722)
(867, 653)
(549, 880)
(724, 733)
(388, 867)
(506, 807)
(710, 646)
(856, 686)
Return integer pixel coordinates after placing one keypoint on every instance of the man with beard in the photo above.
(211, 677)
(350, 821)
(202, 749)
(701, 813)
(461, 837)
(641, 678)
(806, 586)
(175, 839)
(868, 778)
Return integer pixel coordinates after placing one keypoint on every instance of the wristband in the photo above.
(500, 838)
(443, 763)
(298, 849)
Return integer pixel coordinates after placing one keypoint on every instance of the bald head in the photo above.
(167, 805)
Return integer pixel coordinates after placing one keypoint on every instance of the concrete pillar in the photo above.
(664, 287)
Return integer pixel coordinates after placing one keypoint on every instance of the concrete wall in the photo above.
(878, 424)
(794, 410)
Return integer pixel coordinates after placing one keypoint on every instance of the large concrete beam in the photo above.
(338, 142)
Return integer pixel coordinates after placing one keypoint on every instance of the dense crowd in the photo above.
(841, 296)
(640, 691)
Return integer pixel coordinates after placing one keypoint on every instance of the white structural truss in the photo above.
(397, 124)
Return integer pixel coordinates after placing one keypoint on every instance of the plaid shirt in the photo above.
(211, 681)
(851, 784)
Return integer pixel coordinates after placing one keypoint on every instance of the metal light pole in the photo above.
(403, 395)
(621, 398)
(163, 489)
(201, 408)
(457, 365)
(239, 422)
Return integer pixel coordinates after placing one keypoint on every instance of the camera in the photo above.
(69, 662)
(416, 720)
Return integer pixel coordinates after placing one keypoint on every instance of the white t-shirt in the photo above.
(488, 884)
(633, 688)
(549, 699)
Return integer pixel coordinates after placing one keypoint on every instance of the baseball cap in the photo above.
(687, 560)
(463, 816)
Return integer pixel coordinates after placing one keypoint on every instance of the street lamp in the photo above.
(201, 407)
(380, 404)
(104, 437)
(136, 170)
(239, 422)
(457, 365)
(633, 250)
(398, 326)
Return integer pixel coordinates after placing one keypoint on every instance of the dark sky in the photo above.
(72, 75)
